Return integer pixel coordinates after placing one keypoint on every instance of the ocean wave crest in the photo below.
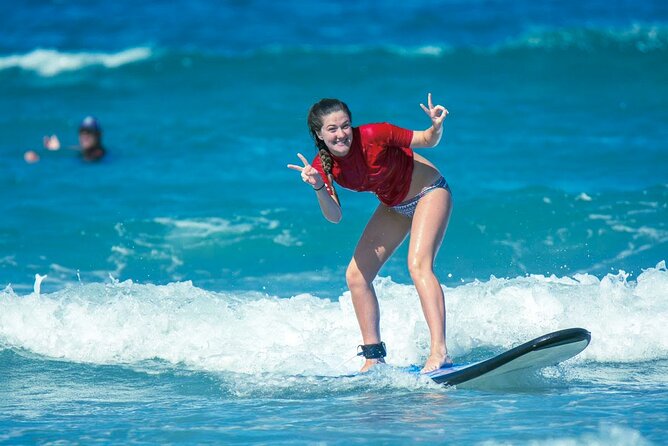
(635, 38)
(127, 323)
(49, 62)
(639, 38)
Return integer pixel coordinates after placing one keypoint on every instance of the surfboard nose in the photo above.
(543, 351)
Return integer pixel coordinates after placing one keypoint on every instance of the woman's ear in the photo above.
(319, 135)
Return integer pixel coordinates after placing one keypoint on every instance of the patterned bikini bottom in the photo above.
(407, 207)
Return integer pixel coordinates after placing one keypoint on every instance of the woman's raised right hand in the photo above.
(309, 173)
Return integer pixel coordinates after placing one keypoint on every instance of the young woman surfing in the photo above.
(414, 197)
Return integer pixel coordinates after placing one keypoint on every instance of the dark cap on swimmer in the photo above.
(90, 124)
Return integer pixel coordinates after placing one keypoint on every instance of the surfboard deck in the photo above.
(544, 351)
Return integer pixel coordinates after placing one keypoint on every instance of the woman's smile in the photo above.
(337, 133)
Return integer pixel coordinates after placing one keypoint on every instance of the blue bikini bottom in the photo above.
(407, 207)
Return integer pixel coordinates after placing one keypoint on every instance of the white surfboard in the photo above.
(547, 350)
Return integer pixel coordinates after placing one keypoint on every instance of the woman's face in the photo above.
(337, 132)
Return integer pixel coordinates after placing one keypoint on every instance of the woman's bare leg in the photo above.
(381, 237)
(427, 230)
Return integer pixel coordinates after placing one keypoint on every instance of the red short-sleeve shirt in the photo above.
(380, 160)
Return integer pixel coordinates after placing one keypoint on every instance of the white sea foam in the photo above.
(606, 434)
(640, 237)
(223, 231)
(583, 197)
(636, 38)
(127, 323)
(409, 51)
(642, 38)
(204, 227)
(49, 62)
(38, 283)
(165, 240)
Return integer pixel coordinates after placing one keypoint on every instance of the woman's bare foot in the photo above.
(435, 362)
(370, 363)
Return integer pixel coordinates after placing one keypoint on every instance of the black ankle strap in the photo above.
(372, 351)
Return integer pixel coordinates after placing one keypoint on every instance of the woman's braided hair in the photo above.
(315, 117)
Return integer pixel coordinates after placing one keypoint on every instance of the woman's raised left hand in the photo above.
(436, 113)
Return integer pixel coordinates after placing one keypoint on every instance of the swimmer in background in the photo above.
(90, 142)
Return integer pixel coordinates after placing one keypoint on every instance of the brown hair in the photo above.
(315, 117)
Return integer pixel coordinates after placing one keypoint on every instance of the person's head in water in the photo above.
(90, 133)
(90, 139)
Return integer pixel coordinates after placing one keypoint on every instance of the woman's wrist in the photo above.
(319, 188)
(435, 134)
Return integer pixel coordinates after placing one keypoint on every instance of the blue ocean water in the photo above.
(194, 293)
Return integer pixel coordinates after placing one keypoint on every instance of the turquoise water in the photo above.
(194, 293)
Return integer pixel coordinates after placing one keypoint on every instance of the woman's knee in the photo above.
(355, 277)
(420, 268)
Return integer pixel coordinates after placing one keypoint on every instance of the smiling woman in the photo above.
(192, 292)
(414, 197)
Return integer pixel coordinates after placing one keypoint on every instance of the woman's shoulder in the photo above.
(374, 130)
(373, 127)
(385, 132)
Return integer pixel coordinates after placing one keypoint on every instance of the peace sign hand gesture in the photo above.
(309, 174)
(437, 114)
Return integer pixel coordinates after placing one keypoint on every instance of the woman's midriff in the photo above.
(424, 175)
